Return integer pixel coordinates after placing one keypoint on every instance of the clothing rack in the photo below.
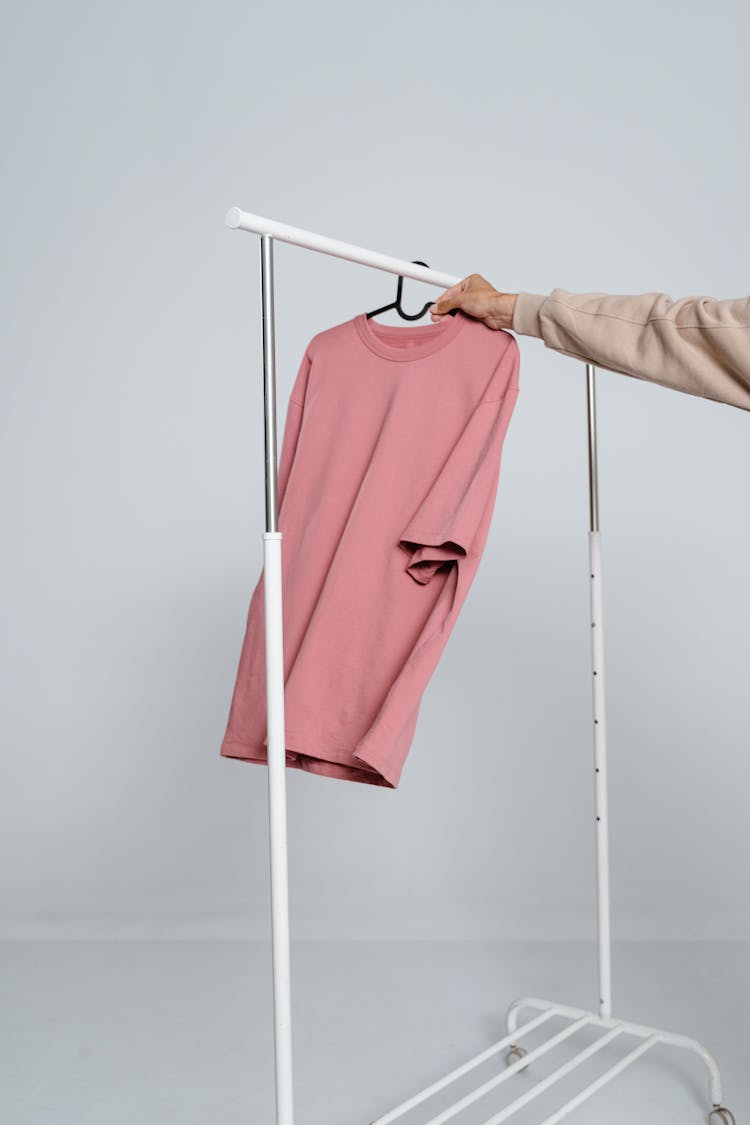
(516, 1057)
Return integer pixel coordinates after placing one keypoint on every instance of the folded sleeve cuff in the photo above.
(427, 558)
(527, 314)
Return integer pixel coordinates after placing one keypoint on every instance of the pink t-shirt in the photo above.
(387, 479)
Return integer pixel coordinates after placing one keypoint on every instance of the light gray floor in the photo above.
(156, 1033)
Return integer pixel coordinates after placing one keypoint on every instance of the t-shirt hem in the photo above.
(311, 762)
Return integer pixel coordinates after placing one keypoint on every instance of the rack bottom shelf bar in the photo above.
(577, 1020)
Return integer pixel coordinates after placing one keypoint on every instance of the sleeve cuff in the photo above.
(426, 559)
(526, 314)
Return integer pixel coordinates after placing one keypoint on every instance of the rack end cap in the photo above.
(234, 217)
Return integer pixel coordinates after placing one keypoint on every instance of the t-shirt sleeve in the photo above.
(450, 522)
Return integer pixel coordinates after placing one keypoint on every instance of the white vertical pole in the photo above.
(599, 717)
(276, 740)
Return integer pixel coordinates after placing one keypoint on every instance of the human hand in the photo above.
(476, 297)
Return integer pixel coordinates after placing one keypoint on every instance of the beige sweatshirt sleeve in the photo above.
(698, 345)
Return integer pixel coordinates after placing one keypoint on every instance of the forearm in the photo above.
(697, 344)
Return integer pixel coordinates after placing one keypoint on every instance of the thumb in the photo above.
(450, 299)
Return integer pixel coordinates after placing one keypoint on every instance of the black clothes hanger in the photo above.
(397, 303)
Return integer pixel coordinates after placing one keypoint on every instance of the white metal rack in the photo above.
(516, 1057)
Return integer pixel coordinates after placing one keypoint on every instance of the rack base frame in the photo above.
(518, 1058)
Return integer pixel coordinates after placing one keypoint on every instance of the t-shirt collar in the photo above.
(390, 341)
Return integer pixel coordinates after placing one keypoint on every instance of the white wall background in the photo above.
(585, 146)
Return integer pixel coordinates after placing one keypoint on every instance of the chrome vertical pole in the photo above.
(269, 379)
(276, 741)
(599, 716)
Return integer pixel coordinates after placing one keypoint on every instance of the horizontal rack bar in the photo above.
(282, 232)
